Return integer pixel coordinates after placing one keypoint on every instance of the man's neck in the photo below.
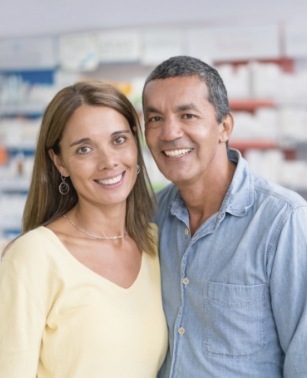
(205, 199)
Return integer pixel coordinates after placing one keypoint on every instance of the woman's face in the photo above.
(99, 154)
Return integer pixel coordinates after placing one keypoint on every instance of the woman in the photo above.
(80, 289)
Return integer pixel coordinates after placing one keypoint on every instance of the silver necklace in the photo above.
(91, 235)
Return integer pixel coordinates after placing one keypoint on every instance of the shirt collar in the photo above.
(239, 196)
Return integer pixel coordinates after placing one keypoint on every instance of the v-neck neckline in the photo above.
(88, 270)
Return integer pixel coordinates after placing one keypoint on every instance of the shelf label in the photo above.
(159, 45)
(119, 46)
(28, 53)
(78, 52)
(295, 40)
(234, 43)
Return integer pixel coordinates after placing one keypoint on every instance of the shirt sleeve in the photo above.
(289, 292)
(21, 322)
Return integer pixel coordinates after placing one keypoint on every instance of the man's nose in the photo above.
(171, 129)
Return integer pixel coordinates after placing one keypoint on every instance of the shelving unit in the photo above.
(253, 144)
(24, 95)
(120, 58)
(287, 64)
(276, 148)
(250, 105)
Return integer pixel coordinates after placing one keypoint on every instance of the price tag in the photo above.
(119, 46)
(159, 45)
(79, 52)
(234, 43)
(28, 53)
(295, 40)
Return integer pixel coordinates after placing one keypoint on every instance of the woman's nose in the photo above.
(107, 159)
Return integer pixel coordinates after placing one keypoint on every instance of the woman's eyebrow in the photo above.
(80, 141)
(86, 140)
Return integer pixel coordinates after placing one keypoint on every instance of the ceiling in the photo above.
(31, 18)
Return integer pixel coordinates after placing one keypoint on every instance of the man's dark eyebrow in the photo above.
(151, 109)
(185, 107)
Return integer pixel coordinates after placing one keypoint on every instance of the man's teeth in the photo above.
(113, 180)
(177, 153)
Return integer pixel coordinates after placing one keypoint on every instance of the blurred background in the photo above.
(259, 48)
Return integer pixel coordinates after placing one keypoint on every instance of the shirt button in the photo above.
(186, 231)
(181, 331)
(185, 281)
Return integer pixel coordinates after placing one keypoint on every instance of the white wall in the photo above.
(20, 18)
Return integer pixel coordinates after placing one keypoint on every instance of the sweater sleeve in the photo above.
(23, 309)
(21, 326)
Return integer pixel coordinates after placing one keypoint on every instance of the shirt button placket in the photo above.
(181, 331)
(185, 282)
(179, 321)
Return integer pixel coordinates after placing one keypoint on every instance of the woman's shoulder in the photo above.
(154, 231)
(153, 228)
(29, 243)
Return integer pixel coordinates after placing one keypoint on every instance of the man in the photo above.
(233, 245)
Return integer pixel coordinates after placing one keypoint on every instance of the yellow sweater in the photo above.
(59, 319)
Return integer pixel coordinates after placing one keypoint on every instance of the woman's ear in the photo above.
(226, 127)
(57, 161)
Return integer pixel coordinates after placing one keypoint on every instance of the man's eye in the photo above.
(188, 116)
(154, 119)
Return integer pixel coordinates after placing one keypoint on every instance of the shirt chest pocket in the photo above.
(234, 318)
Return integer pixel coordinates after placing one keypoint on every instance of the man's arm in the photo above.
(288, 287)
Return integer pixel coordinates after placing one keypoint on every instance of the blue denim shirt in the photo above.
(235, 293)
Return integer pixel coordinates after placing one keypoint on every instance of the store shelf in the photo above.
(287, 64)
(24, 97)
(13, 185)
(27, 148)
(289, 152)
(243, 145)
(22, 110)
(250, 105)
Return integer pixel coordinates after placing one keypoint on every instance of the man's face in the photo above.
(181, 130)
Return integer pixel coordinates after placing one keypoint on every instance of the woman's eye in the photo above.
(83, 150)
(120, 140)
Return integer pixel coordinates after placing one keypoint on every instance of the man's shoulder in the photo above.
(280, 194)
(166, 194)
(165, 198)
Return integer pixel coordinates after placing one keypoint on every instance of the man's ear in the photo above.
(57, 161)
(225, 128)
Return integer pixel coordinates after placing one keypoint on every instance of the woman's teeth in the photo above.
(110, 181)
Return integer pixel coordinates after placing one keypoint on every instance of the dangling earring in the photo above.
(138, 169)
(64, 187)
